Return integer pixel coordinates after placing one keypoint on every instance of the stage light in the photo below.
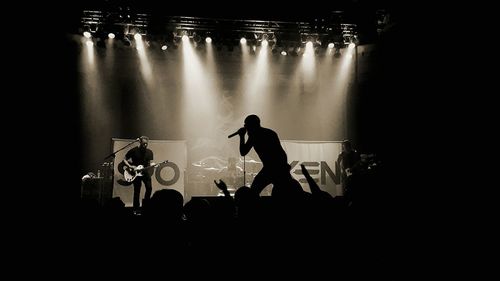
(353, 40)
(320, 35)
(265, 39)
(93, 27)
(313, 39)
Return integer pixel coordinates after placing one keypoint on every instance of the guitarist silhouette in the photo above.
(349, 160)
(138, 159)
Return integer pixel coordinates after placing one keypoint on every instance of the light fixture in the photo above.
(265, 38)
(325, 34)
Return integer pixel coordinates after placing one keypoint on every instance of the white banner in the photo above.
(320, 159)
(166, 175)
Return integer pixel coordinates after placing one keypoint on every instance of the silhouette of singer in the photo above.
(268, 147)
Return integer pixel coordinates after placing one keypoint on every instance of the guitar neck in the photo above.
(154, 165)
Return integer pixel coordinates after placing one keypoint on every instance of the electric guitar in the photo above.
(130, 173)
(367, 162)
(348, 172)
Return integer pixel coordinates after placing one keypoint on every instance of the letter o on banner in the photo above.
(167, 182)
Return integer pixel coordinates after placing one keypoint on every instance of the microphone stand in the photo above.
(114, 153)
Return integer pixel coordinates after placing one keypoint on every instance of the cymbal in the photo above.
(251, 161)
(211, 169)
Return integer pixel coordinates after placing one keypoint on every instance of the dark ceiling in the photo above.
(263, 10)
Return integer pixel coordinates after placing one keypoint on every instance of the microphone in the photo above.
(232, 135)
(235, 133)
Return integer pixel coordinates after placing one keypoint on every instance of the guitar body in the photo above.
(130, 174)
(348, 172)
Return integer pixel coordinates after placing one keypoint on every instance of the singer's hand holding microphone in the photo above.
(240, 132)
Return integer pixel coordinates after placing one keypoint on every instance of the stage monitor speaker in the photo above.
(99, 189)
